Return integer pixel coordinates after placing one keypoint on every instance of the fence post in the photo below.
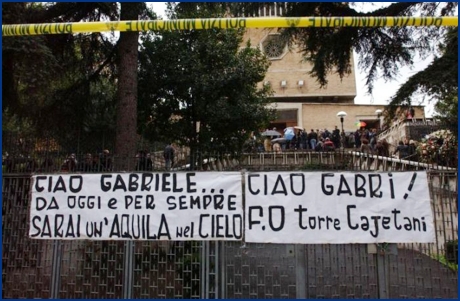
(205, 263)
(223, 274)
(382, 276)
(300, 271)
(56, 269)
(128, 270)
(383, 252)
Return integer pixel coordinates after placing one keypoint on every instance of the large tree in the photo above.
(126, 138)
(200, 88)
(64, 85)
(57, 84)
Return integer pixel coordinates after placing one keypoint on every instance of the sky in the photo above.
(383, 90)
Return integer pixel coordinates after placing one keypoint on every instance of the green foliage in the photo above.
(69, 81)
(446, 112)
(444, 258)
(199, 88)
(12, 123)
(54, 82)
(318, 166)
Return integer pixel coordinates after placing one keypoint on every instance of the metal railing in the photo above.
(110, 269)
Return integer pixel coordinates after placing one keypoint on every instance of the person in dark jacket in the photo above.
(312, 138)
(336, 137)
(412, 150)
(70, 165)
(380, 149)
(303, 140)
(106, 160)
(402, 149)
(357, 139)
(386, 147)
(144, 161)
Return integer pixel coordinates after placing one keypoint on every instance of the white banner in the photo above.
(340, 207)
(137, 206)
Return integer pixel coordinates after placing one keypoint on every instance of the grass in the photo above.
(442, 259)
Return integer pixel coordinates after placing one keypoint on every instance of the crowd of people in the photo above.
(90, 163)
(363, 140)
(145, 162)
(314, 140)
(321, 140)
(104, 162)
(100, 162)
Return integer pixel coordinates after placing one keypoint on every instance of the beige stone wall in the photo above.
(291, 68)
(324, 115)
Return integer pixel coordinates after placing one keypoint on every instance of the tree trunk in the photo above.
(126, 130)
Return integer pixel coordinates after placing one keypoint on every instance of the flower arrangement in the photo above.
(439, 147)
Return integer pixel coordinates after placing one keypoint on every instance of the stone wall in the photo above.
(408, 129)
(418, 130)
(324, 115)
(291, 67)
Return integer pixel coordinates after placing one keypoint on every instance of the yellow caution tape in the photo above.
(223, 23)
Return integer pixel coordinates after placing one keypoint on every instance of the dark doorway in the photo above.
(371, 123)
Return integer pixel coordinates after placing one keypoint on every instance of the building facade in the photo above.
(298, 97)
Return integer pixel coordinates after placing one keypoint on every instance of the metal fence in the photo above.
(109, 269)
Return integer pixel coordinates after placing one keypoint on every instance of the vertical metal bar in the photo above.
(216, 264)
(301, 276)
(202, 263)
(223, 279)
(207, 269)
(128, 270)
(382, 276)
(450, 199)
(56, 269)
(203, 277)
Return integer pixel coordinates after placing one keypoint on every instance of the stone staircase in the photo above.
(415, 129)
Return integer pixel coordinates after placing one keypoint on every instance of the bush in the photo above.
(452, 251)
(439, 147)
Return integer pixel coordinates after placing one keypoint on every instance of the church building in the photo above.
(298, 97)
